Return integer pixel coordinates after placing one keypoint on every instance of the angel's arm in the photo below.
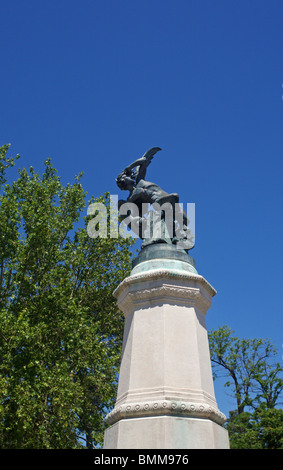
(142, 163)
(138, 162)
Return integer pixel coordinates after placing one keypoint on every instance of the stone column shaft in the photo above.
(165, 395)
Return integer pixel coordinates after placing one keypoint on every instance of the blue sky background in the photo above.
(94, 84)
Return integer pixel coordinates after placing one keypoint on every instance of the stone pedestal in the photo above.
(165, 395)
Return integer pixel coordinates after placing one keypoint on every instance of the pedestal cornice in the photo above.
(164, 274)
(166, 285)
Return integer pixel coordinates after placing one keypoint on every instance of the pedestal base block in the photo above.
(166, 432)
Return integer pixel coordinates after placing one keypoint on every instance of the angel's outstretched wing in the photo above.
(143, 163)
(150, 154)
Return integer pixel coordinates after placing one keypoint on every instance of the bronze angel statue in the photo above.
(141, 194)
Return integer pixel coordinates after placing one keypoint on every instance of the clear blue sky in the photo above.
(94, 84)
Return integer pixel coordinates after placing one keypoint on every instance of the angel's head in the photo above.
(125, 181)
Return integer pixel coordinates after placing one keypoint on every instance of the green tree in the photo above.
(255, 380)
(60, 329)
(261, 429)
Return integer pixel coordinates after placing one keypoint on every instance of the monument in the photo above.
(165, 396)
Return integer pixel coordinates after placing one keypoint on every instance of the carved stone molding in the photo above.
(165, 407)
(171, 274)
(166, 293)
(166, 286)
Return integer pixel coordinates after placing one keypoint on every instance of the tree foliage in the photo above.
(260, 429)
(60, 331)
(255, 380)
